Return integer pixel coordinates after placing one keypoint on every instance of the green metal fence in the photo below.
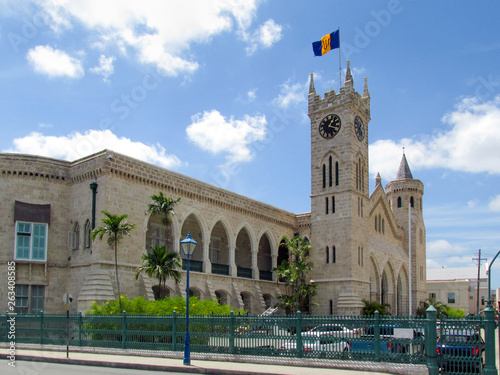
(378, 338)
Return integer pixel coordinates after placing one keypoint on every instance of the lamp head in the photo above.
(188, 245)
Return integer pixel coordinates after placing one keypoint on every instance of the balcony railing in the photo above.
(244, 272)
(194, 265)
(266, 275)
(220, 269)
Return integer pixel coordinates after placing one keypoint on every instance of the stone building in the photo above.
(360, 241)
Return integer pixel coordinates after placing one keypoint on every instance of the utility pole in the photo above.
(479, 259)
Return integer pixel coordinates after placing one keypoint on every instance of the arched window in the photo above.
(327, 255)
(412, 202)
(330, 172)
(331, 307)
(76, 230)
(336, 173)
(357, 176)
(333, 205)
(88, 231)
(376, 226)
(399, 202)
(383, 226)
(324, 176)
(334, 255)
(326, 205)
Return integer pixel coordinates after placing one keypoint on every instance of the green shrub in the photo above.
(166, 306)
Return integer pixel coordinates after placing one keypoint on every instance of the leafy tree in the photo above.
(161, 264)
(372, 306)
(114, 227)
(441, 308)
(300, 291)
(163, 206)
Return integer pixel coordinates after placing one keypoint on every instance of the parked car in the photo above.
(331, 329)
(461, 351)
(393, 339)
(323, 345)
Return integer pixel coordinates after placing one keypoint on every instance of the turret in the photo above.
(405, 197)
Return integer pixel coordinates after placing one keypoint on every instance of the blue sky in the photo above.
(217, 91)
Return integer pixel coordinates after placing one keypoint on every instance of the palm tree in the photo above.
(161, 264)
(295, 272)
(115, 228)
(372, 306)
(163, 206)
(441, 308)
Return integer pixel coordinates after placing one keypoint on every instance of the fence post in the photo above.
(174, 331)
(376, 335)
(124, 330)
(300, 347)
(431, 341)
(489, 342)
(41, 327)
(231, 333)
(80, 327)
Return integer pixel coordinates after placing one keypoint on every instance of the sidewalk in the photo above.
(207, 364)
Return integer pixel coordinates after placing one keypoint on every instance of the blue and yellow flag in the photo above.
(327, 43)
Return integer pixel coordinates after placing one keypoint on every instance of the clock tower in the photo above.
(340, 203)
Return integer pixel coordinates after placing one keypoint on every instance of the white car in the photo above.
(325, 345)
(336, 330)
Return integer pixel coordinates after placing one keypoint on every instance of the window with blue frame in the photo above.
(31, 241)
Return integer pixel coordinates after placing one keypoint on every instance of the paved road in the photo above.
(42, 368)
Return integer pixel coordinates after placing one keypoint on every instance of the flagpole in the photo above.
(340, 63)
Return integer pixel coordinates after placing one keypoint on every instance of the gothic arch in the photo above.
(270, 238)
(195, 211)
(374, 280)
(245, 252)
(220, 245)
(402, 296)
(388, 286)
(225, 222)
(264, 257)
(193, 222)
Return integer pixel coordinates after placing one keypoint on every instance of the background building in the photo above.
(458, 287)
(361, 242)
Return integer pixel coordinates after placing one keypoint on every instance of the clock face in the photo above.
(329, 126)
(359, 128)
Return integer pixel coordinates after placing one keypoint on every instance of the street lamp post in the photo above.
(188, 245)
(489, 278)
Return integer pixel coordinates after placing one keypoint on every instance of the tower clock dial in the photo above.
(329, 126)
(359, 128)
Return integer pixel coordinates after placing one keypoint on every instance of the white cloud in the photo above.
(472, 203)
(290, 94)
(214, 133)
(265, 36)
(495, 204)
(54, 62)
(252, 95)
(450, 149)
(159, 32)
(105, 67)
(77, 145)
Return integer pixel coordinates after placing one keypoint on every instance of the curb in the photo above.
(134, 366)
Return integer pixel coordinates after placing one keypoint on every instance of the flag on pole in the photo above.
(327, 43)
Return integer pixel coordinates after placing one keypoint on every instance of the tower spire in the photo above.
(348, 76)
(366, 93)
(404, 171)
(312, 90)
